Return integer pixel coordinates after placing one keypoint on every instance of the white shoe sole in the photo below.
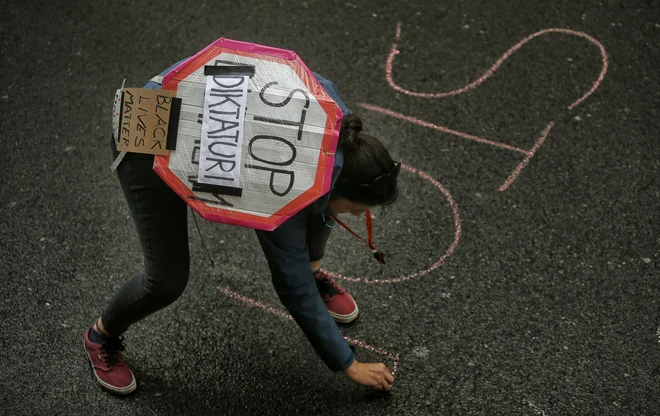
(112, 389)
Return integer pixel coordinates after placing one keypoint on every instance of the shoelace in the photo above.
(327, 285)
(110, 350)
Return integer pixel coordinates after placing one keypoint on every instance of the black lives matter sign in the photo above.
(145, 120)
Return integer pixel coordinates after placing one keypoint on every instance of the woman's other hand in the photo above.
(376, 376)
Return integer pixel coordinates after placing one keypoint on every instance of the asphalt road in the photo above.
(542, 298)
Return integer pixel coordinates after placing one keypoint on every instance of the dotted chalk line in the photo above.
(256, 304)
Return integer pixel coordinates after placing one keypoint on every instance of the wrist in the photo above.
(352, 369)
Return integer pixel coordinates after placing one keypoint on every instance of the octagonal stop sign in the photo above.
(271, 132)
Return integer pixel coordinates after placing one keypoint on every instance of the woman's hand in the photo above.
(376, 376)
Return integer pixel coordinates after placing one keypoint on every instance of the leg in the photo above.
(319, 229)
(160, 218)
(340, 304)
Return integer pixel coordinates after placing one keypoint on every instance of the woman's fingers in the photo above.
(374, 375)
(389, 377)
(384, 379)
(374, 383)
(386, 375)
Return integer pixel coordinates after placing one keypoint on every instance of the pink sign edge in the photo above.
(279, 53)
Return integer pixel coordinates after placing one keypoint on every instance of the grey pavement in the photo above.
(543, 302)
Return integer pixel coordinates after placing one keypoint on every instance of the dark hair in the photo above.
(369, 175)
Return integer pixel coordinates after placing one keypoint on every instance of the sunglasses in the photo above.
(377, 185)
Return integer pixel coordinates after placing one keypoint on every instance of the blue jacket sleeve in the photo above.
(288, 258)
(332, 90)
(156, 86)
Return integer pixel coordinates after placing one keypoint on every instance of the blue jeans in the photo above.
(161, 221)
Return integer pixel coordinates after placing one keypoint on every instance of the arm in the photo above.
(288, 259)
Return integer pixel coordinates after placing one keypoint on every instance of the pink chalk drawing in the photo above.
(528, 153)
(544, 134)
(441, 260)
(394, 358)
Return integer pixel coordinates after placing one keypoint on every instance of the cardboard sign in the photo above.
(145, 120)
(116, 111)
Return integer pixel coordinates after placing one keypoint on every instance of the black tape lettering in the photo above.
(221, 154)
(292, 176)
(217, 79)
(286, 100)
(271, 162)
(219, 163)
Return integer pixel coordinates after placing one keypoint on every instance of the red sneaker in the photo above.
(109, 366)
(340, 304)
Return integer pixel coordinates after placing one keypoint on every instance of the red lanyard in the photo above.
(377, 254)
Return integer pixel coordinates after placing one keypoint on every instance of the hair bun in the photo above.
(351, 125)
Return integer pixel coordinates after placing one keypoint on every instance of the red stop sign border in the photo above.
(323, 176)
